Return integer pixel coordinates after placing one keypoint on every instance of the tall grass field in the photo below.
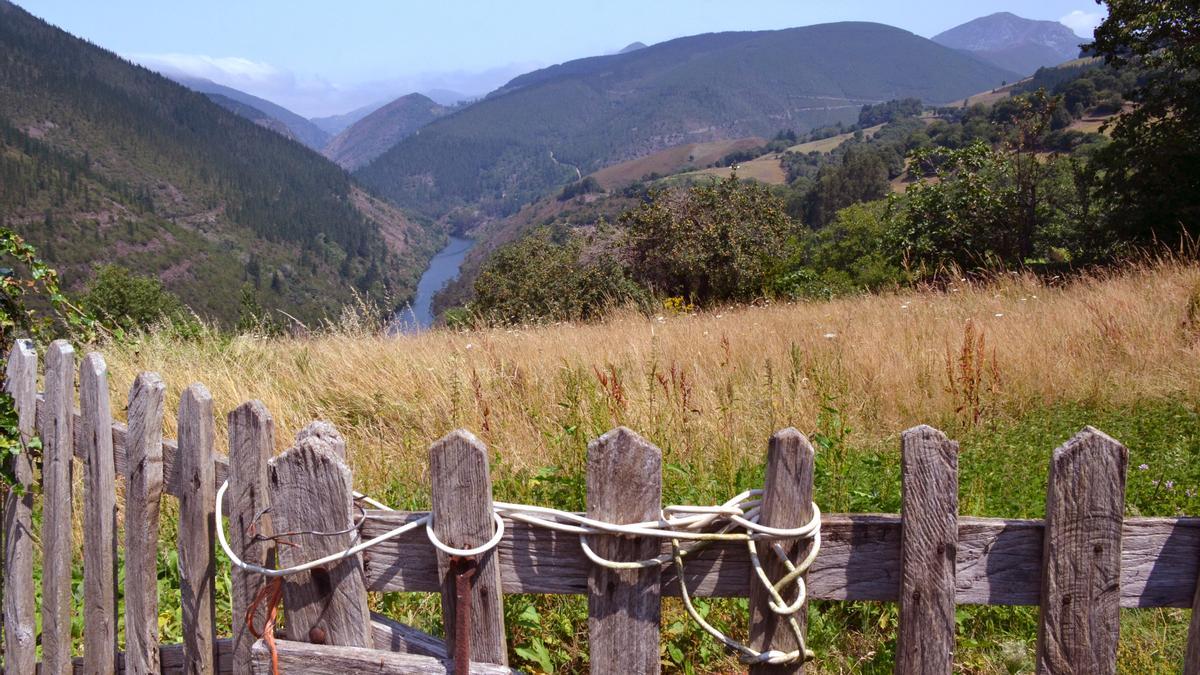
(1011, 368)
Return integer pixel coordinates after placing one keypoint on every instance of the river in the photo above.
(442, 270)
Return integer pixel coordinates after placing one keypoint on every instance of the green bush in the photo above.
(132, 301)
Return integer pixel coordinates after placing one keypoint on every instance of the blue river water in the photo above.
(442, 270)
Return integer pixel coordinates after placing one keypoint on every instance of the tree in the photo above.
(714, 242)
(130, 300)
(1152, 172)
(861, 177)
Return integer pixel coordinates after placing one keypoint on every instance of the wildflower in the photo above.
(999, 314)
(1154, 482)
(830, 336)
(1170, 485)
(1143, 467)
(470, 345)
(1191, 492)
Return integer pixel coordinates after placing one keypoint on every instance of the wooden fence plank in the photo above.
(310, 492)
(143, 492)
(251, 444)
(1085, 502)
(20, 636)
(300, 658)
(169, 447)
(461, 492)
(928, 547)
(999, 561)
(57, 430)
(393, 636)
(197, 564)
(99, 520)
(624, 485)
(787, 502)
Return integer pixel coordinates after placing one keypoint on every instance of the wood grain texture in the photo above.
(99, 519)
(1080, 601)
(624, 485)
(170, 658)
(299, 658)
(310, 492)
(326, 432)
(20, 630)
(170, 452)
(251, 443)
(461, 492)
(928, 551)
(197, 502)
(999, 561)
(392, 636)
(57, 430)
(143, 492)
(787, 502)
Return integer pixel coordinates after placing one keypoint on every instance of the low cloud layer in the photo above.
(1083, 23)
(314, 96)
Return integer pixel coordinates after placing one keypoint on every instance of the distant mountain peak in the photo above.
(632, 47)
(1013, 42)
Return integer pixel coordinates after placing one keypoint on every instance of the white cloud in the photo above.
(1083, 23)
(223, 69)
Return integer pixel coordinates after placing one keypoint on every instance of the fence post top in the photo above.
(622, 436)
(197, 392)
(149, 380)
(1090, 440)
(252, 407)
(95, 363)
(62, 346)
(925, 431)
(458, 436)
(317, 448)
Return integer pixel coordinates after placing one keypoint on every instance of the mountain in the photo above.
(449, 97)
(103, 161)
(550, 126)
(335, 124)
(253, 114)
(632, 47)
(371, 136)
(301, 129)
(1013, 43)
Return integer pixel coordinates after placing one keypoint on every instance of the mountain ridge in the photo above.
(544, 128)
(372, 135)
(1013, 42)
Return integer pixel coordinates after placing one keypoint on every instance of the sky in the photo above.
(323, 58)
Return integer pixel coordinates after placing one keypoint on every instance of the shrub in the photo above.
(131, 301)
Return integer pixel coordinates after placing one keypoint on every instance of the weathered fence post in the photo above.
(624, 485)
(310, 493)
(1081, 564)
(461, 493)
(143, 492)
(19, 629)
(786, 502)
(57, 429)
(99, 520)
(928, 547)
(197, 500)
(251, 443)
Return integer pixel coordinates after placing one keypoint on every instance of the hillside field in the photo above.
(1011, 369)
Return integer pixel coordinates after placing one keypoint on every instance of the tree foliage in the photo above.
(1152, 167)
(713, 242)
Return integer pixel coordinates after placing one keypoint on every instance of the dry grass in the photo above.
(707, 388)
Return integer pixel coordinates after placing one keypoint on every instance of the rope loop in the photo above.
(734, 520)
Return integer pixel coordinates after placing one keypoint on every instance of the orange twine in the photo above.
(270, 593)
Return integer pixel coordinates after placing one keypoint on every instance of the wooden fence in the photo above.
(1080, 565)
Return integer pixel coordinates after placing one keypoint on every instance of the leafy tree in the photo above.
(1153, 164)
(851, 254)
(715, 242)
(861, 177)
(129, 300)
(550, 275)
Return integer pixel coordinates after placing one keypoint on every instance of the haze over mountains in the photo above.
(170, 183)
(551, 126)
(1014, 43)
(103, 161)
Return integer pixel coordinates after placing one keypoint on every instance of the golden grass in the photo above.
(707, 388)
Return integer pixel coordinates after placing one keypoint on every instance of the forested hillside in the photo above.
(371, 136)
(105, 161)
(255, 108)
(548, 127)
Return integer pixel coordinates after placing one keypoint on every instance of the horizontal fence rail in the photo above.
(1079, 565)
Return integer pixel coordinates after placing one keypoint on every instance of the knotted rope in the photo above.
(734, 520)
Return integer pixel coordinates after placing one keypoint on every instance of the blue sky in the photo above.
(321, 58)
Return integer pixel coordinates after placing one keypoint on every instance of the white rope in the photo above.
(734, 520)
